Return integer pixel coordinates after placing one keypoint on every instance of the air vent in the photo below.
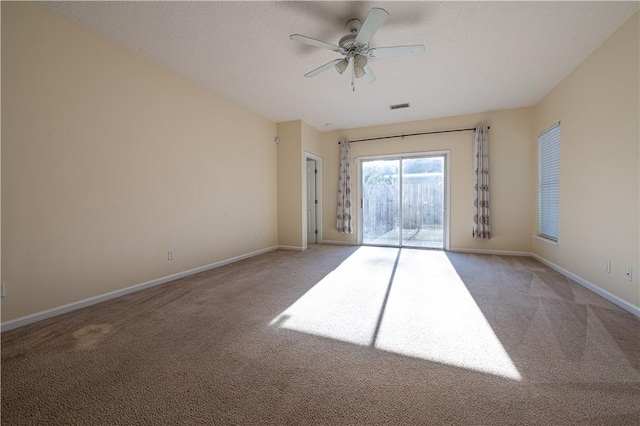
(398, 106)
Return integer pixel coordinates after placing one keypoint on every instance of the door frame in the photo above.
(318, 207)
(399, 156)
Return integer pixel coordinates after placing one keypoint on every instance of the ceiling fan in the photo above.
(354, 47)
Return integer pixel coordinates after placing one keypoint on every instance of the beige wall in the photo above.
(311, 139)
(296, 139)
(290, 185)
(510, 165)
(109, 160)
(1, 300)
(598, 107)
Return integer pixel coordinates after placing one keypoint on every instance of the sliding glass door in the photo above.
(403, 201)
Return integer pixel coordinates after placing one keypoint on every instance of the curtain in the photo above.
(344, 190)
(481, 214)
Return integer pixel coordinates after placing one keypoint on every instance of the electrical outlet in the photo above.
(607, 266)
(2, 290)
(171, 254)
(255, 238)
(628, 274)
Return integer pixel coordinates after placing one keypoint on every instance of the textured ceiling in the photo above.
(480, 56)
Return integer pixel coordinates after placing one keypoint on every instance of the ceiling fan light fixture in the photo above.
(360, 61)
(342, 65)
(359, 71)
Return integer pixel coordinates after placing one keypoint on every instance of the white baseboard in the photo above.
(293, 248)
(496, 252)
(339, 243)
(632, 309)
(29, 319)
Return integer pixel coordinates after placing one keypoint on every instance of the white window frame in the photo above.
(549, 183)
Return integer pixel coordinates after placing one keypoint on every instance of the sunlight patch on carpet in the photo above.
(421, 309)
(430, 314)
(345, 305)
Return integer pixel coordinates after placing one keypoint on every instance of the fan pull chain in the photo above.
(353, 77)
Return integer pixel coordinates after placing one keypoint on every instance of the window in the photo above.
(549, 182)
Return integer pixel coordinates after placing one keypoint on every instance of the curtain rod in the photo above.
(413, 134)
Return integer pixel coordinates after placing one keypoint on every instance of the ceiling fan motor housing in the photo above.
(353, 25)
(348, 42)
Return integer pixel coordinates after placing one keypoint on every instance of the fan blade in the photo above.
(313, 42)
(386, 52)
(371, 25)
(368, 75)
(322, 68)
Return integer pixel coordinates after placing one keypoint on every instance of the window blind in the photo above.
(549, 182)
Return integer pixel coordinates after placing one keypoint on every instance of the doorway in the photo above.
(404, 201)
(313, 207)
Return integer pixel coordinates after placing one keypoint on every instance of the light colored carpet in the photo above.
(335, 335)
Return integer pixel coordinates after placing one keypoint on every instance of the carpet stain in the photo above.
(89, 336)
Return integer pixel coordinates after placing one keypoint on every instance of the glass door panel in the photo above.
(381, 202)
(423, 202)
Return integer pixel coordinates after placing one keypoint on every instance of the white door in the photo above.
(311, 201)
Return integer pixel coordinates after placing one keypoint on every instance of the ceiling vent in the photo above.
(398, 106)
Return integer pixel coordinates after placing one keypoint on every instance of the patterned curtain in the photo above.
(481, 214)
(344, 190)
